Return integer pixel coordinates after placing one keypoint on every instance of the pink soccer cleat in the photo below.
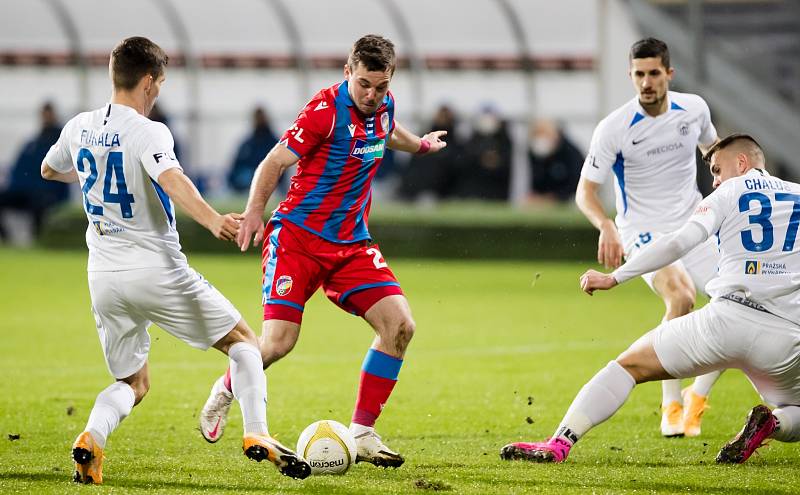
(553, 450)
(759, 426)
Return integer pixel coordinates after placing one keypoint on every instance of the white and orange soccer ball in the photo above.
(328, 447)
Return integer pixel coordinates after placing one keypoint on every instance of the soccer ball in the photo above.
(328, 446)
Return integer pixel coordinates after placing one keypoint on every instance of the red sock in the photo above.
(227, 380)
(378, 377)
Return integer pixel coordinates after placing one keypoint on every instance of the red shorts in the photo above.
(296, 263)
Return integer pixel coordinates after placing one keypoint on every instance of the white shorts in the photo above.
(700, 263)
(725, 334)
(179, 300)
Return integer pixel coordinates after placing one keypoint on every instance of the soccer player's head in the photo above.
(650, 71)
(733, 156)
(369, 70)
(137, 67)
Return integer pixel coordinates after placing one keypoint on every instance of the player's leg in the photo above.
(365, 286)
(677, 348)
(249, 387)
(125, 343)
(597, 401)
(289, 279)
(391, 319)
(675, 287)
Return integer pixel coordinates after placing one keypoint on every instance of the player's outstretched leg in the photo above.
(88, 457)
(597, 401)
(215, 411)
(759, 426)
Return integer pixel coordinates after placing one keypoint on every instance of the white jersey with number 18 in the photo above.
(119, 155)
(653, 160)
(756, 218)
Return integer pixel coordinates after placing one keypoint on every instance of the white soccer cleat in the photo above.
(215, 411)
(370, 448)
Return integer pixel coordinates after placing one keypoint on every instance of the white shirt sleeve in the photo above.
(158, 154)
(712, 210)
(662, 252)
(708, 133)
(59, 157)
(602, 154)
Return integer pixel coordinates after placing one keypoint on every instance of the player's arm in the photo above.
(265, 180)
(181, 190)
(609, 245)
(49, 174)
(401, 139)
(662, 252)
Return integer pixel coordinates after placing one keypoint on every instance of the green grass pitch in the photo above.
(500, 351)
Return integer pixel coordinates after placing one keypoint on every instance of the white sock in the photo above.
(111, 406)
(703, 383)
(788, 424)
(671, 392)
(249, 386)
(597, 401)
(357, 429)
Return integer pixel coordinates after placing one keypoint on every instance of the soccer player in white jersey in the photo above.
(649, 144)
(138, 275)
(751, 323)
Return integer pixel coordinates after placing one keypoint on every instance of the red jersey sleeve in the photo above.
(312, 126)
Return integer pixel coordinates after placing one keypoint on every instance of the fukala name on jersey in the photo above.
(119, 155)
(340, 151)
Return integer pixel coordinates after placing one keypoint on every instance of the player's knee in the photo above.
(275, 348)
(140, 388)
(680, 298)
(404, 332)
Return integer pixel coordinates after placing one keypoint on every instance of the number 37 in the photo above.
(762, 219)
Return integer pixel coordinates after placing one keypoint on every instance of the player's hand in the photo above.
(609, 246)
(251, 227)
(225, 227)
(593, 280)
(434, 138)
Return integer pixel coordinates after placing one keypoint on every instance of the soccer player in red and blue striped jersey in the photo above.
(318, 236)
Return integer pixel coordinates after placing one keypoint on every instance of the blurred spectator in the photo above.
(486, 169)
(252, 150)
(431, 176)
(555, 164)
(26, 190)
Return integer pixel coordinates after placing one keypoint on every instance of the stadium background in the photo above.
(502, 345)
(527, 60)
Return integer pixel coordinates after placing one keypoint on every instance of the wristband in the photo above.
(424, 147)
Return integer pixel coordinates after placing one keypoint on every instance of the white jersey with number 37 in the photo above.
(653, 161)
(756, 218)
(119, 155)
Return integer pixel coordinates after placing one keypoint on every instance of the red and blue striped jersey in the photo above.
(340, 150)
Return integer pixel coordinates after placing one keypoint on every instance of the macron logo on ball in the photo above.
(363, 150)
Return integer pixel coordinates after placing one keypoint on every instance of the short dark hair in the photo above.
(733, 139)
(650, 47)
(375, 52)
(134, 58)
